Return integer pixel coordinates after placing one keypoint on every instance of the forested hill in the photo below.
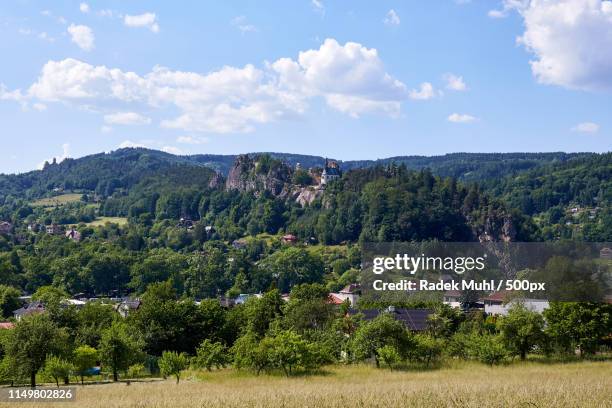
(463, 166)
(106, 172)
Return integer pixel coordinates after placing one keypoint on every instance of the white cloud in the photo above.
(192, 140)
(65, 154)
(126, 118)
(461, 118)
(350, 78)
(497, 14)
(82, 36)
(318, 6)
(172, 150)
(84, 7)
(148, 20)
(392, 18)
(586, 127)
(39, 106)
(454, 82)
(425, 92)
(571, 41)
(129, 143)
(106, 129)
(241, 23)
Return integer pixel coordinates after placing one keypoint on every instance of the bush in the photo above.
(388, 355)
(136, 371)
(427, 349)
(210, 354)
(57, 368)
(172, 363)
(490, 350)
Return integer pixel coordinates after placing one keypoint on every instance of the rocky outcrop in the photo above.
(215, 181)
(258, 174)
(306, 195)
(498, 229)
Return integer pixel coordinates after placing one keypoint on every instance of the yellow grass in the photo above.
(57, 200)
(584, 384)
(100, 221)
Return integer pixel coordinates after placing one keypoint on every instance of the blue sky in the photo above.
(350, 80)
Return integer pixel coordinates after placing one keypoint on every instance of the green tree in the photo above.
(57, 368)
(489, 349)
(211, 354)
(388, 355)
(427, 349)
(31, 340)
(291, 267)
(382, 331)
(119, 348)
(172, 363)
(288, 351)
(521, 330)
(84, 358)
(9, 300)
(572, 325)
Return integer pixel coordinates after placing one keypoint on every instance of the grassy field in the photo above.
(582, 384)
(57, 200)
(103, 220)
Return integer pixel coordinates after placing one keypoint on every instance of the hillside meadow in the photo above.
(531, 384)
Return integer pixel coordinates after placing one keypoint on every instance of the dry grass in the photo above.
(584, 384)
(57, 200)
(101, 221)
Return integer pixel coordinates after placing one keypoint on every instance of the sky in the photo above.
(348, 80)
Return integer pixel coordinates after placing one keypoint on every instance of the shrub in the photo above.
(57, 368)
(389, 356)
(210, 354)
(172, 363)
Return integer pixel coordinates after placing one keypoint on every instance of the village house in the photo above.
(331, 172)
(5, 227)
(29, 309)
(54, 229)
(499, 303)
(127, 306)
(415, 320)
(452, 298)
(289, 239)
(350, 292)
(73, 235)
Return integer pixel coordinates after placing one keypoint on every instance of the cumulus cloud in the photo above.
(426, 91)
(350, 78)
(148, 20)
(586, 127)
(82, 36)
(461, 118)
(126, 118)
(454, 82)
(392, 18)
(84, 7)
(571, 41)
